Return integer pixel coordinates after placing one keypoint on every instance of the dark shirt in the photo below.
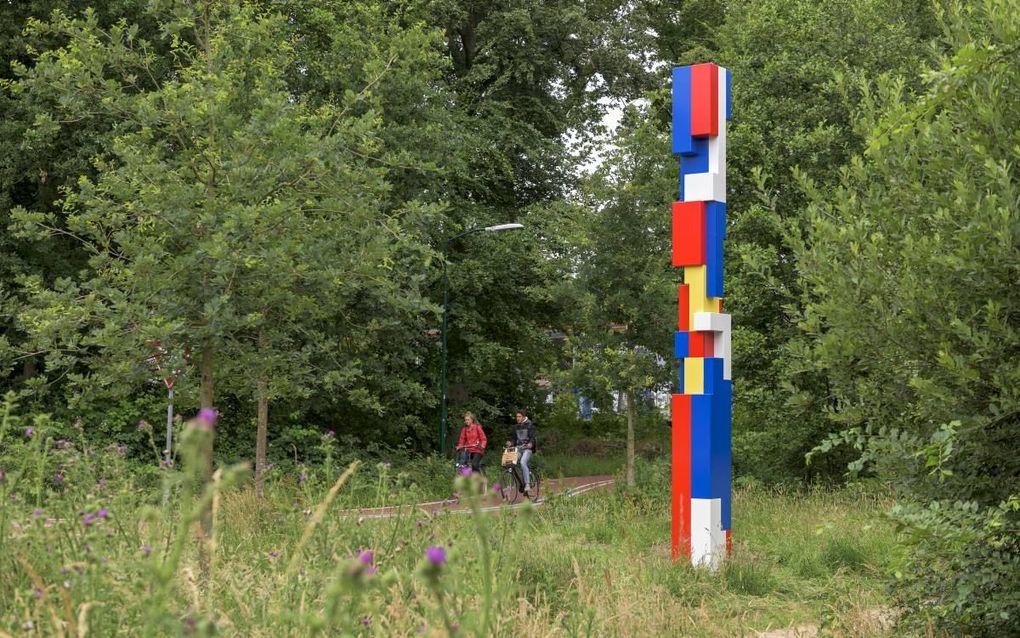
(524, 432)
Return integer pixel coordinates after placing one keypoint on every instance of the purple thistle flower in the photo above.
(366, 620)
(436, 555)
(29, 431)
(37, 512)
(146, 550)
(37, 592)
(103, 513)
(465, 471)
(496, 487)
(302, 478)
(366, 557)
(207, 418)
(88, 519)
(58, 478)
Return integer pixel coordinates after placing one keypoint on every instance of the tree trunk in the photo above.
(205, 369)
(631, 419)
(203, 470)
(262, 389)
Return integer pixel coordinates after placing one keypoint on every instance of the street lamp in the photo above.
(446, 316)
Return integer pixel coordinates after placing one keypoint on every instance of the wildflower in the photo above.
(497, 488)
(465, 471)
(29, 431)
(37, 592)
(366, 620)
(207, 418)
(366, 557)
(88, 519)
(436, 555)
(58, 478)
(102, 513)
(101, 483)
(146, 550)
(302, 478)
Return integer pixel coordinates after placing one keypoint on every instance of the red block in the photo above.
(684, 308)
(729, 542)
(689, 238)
(704, 100)
(701, 344)
(680, 538)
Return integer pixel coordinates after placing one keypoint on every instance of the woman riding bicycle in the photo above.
(472, 442)
(524, 438)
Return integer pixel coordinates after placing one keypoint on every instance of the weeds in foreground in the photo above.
(96, 553)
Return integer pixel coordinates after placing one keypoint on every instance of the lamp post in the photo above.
(446, 318)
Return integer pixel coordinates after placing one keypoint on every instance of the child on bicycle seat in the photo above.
(524, 438)
(472, 442)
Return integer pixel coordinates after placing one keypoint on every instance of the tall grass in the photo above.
(97, 554)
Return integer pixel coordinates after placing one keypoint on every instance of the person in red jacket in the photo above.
(472, 442)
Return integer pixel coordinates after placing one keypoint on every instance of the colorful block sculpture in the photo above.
(702, 406)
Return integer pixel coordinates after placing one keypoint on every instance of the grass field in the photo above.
(109, 559)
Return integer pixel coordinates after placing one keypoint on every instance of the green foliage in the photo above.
(910, 269)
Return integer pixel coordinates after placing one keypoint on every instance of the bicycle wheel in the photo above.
(536, 483)
(509, 486)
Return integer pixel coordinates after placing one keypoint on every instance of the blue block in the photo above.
(715, 227)
(722, 412)
(682, 140)
(681, 345)
(701, 446)
(680, 378)
(729, 100)
(695, 162)
(713, 374)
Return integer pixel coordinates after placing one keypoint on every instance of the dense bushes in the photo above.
(913, 313)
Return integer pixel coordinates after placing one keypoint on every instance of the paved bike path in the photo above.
(572, 486)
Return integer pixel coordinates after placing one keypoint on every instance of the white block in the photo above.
(708, 540)
(722, 340)
(705, 187)
(717, 144)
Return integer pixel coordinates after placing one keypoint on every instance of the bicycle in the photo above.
(511, 484)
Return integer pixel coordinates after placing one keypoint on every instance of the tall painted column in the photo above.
(702, 407)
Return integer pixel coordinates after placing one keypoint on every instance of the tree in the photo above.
(912, 309)
(621, 337)
(228, 217)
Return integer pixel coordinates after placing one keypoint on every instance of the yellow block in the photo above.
(694, 375)
(696, 277)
